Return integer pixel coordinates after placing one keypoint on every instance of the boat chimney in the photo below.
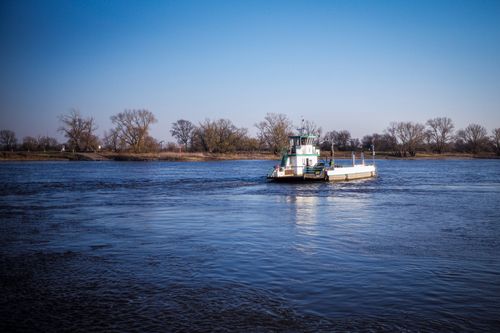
(353, 159)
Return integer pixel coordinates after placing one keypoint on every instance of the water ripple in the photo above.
(215, 247)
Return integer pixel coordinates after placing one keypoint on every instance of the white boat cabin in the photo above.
(302, 153)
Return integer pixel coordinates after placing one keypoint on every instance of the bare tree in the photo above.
(30, 143)
(247, 143)
(340, 139)
(8, 139)
(392, 133)
(207, 135)
(79, 131)
(47, 143)
(151, 144)
(354, 143)
(219, 136)
(407, 136)
(112, 141)
(440, 132)
(343, 139)
(367, 141)
(182, 130)
(172, 146)
(329, 141)
(274, 131)
(197, 143)
(310, 128)
(495, 138)
(474, 137)
(382, 142)
(132, 127)
(228, 135)
(415, 134)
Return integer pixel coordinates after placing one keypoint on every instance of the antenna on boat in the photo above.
(302, 128)
(373, 154)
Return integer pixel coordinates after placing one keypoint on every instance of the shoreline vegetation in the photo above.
(213, 140)
(203, 157)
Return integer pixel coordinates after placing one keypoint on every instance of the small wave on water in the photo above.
(50, 292)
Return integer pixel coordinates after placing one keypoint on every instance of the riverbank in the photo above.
(443, 156)
(193, 157)
(112, 156)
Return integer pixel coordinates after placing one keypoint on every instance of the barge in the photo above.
(301, 162)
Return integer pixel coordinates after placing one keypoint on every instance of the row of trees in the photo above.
(8, 141)
(130, 132)
(437, 135)
(401, 138)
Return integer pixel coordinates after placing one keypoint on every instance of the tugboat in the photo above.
(300, 163)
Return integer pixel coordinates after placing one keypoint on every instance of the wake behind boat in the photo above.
(300, 162)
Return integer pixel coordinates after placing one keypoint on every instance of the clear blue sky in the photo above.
(355, 65)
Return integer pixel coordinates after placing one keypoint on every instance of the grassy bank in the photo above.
(40, 156)
(110, 156)
(175, 156)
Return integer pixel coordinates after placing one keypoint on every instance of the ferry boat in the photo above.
(300, 162)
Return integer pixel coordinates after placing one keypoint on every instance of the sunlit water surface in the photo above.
(88, 246)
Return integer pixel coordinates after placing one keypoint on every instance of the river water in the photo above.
(163, 246)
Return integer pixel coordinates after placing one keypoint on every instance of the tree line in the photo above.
(131, 133)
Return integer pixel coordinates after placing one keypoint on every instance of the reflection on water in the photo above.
(193, 247)
(303, 209)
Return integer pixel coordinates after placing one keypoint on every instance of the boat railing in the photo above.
(314, 169)
(273, 170)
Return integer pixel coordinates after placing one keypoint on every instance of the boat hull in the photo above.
(351, 173)
(329, 174)
(287, 179)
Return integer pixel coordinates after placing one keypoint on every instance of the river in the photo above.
(207, 246)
